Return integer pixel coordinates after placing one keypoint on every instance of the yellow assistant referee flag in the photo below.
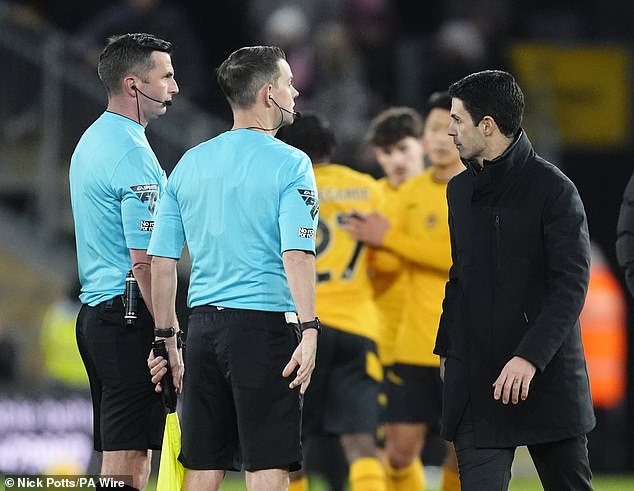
(171, 471)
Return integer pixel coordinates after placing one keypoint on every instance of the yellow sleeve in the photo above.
(384, 261)
(425, 250)
(380, 259)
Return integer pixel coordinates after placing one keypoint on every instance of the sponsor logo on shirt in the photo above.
(147, 192)
(310, 198)
(306, 233)
(147, 225)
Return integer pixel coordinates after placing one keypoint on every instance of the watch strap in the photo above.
(314, 324)
(164, 333)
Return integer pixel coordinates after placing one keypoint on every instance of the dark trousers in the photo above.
(561, 465)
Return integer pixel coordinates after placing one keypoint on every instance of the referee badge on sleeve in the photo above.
(147, 193)
(310, 199)
(146, 225)
(306, 233)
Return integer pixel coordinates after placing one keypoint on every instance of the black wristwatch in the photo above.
(164, 333)
(314, 324)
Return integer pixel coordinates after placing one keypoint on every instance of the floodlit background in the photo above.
(350, 59)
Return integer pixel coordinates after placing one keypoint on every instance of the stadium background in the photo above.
(351, 59)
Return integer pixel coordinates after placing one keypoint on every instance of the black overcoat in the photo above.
(625, 235)
(521, 262)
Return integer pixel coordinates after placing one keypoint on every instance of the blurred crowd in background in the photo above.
(351, 59)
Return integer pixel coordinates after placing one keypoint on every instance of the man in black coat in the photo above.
(625, 235)
(509, 336)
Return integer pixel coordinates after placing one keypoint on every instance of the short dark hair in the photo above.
(438, 100)
(128, 53)
(492, 93)
(394, 124)
(312, 134)
(245, 70)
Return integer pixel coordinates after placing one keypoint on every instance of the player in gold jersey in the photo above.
(418, 233)
(342, 399)
(396, 135)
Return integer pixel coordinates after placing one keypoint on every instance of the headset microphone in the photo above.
(165, 103)
(297, 114)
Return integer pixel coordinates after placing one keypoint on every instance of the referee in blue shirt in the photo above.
(115, 184)
(246, 204)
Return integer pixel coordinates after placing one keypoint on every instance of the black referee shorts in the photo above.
(342, 398)
(127, 413)
(414, 395)
(238, 411)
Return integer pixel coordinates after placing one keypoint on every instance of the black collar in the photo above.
(516, 154)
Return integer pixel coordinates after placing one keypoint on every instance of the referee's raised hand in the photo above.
(304, 358)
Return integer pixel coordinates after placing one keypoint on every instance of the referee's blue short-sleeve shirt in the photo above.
(239, 201)
(115, 184)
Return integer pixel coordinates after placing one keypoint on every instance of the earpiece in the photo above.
(294, 113)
